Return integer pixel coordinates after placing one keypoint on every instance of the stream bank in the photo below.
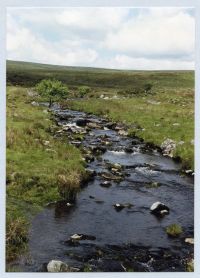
(127, 173)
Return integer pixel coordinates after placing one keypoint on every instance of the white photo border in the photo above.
(97, 3)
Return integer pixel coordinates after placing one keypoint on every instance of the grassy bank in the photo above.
(38, 166)
(167, 111)
(165, 114)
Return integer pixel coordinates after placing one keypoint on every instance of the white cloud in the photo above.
(92, 18)
(156, 38)
(123, 61)
(22, 44)
(158, 33)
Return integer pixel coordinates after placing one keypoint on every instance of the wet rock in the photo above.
(109, 176)
(82, 237)
(89, 158)
(76, 237)
(98, 149)
(110, 125)
(74, 269)
(57, 266)
(81, 122)
(128, 150)
(189, 240)
(119, 207)
(159, 209)
(105, 184)
(93, 125)
(168, 147)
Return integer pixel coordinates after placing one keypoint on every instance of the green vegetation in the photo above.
(165, 114)
(174, 230)
(40, 168)
(100, 80)
(53, 90)
(190, 265)
(158, 104)
(83, 91)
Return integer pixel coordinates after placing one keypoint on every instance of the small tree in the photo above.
(52, 89)
(83, 90)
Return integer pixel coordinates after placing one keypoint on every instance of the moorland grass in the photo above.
(35, 164)
(167, 111)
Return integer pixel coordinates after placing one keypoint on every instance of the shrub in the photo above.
(52, 89)
(83, 90)
(148, 87)
(174, 230)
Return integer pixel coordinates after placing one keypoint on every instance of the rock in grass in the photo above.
(174, 230)
(159, 209)
(168, 147)
(57, 266)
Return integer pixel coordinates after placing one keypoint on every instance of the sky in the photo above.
(120, 38)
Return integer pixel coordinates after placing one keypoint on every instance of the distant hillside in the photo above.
(28, 74)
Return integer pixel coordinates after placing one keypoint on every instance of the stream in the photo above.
(117, 238)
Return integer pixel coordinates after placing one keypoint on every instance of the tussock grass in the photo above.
(35, 163)
(174, 230)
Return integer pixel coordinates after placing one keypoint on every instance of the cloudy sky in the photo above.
(122, 38)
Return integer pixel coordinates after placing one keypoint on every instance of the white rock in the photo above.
(189, 240)
(176, 124)
(34, 103)
(46, 143)
(159, 209)
(76, 237)
(168, 146)
(57, 266)
(69, 205)
(155, 205)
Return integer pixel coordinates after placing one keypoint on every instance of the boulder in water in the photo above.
(159, 209)
(189, 240)
(57, 266)
(106, 184)
(81, 122)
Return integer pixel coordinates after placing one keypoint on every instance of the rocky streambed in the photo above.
(110, 227)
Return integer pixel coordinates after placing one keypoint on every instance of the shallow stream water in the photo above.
(130, 239)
